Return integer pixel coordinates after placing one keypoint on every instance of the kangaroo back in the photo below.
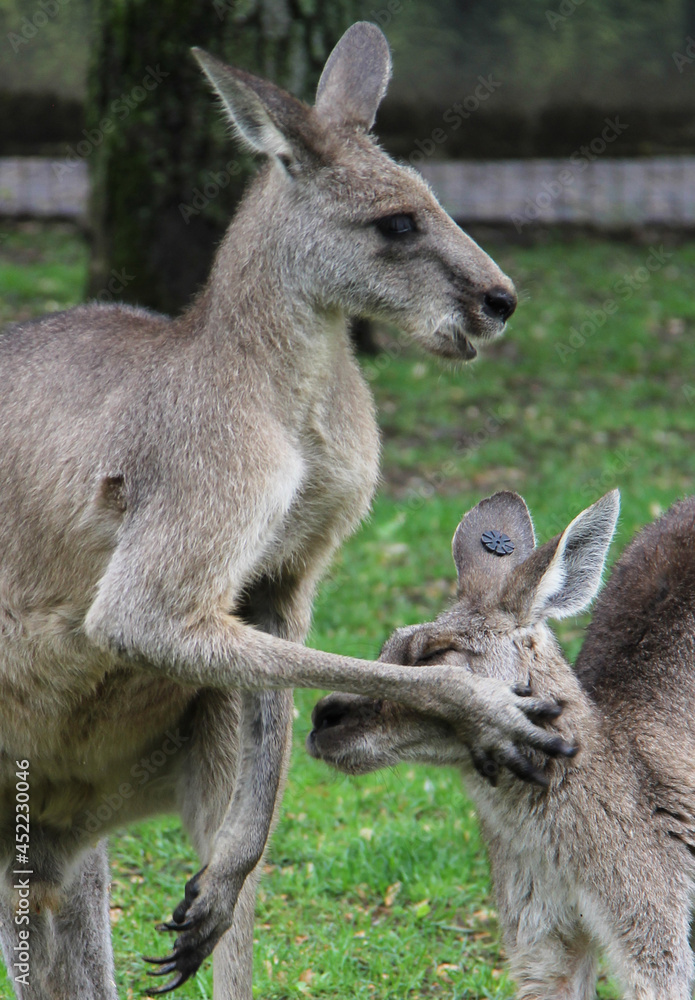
(638, 661)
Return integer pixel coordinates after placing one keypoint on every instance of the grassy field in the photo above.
(378, 887)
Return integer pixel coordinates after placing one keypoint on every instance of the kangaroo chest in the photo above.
(329, 464)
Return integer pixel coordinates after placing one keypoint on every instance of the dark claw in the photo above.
(558, 748)
(188, 953)
(172, 926)
(168, 987)
(546, 711)
(164, 970)
(485, 766)
(183, 964)
(522, 690)
(191, 892)
(523, 768)
(553, 746)
(182, 960)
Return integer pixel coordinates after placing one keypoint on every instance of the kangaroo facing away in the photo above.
(602, 856)
(170, 493)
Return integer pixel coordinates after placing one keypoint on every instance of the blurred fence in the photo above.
(607, 193)
(35, 186)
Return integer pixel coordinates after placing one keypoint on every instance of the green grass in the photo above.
(42, 269)
(377, 887)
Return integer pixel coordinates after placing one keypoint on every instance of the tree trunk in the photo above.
(689, 25)
(166, 175)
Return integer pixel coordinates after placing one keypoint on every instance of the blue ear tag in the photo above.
(497, 542)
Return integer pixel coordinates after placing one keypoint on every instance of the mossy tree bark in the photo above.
(166, 176)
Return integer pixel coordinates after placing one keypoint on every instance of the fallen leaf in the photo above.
(392, 892)
(444, 968)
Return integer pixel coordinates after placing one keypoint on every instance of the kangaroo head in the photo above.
(507, 588)
(348, 227)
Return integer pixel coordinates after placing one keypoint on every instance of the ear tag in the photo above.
(497, 542)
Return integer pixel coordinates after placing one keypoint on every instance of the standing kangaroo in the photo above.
(170, 493)
(603, 856)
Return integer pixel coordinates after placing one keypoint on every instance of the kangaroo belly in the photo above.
(84, 733)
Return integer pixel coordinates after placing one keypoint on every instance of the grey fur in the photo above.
(171, 492)
(603, 857)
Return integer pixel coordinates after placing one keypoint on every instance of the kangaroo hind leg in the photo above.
(69, 951)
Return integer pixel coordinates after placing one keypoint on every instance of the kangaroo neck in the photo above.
(258, 298)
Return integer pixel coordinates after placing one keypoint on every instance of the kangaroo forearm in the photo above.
(228, 655)
(278, 664)
(264, 735)
(225, 654)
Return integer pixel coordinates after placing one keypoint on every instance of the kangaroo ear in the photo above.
(493, 538)
(264, 115)
(562, 577)
(355, 78)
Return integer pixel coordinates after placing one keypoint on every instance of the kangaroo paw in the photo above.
(200, 920)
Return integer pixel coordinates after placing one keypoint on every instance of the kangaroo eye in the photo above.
(437, 654)
(396, 225)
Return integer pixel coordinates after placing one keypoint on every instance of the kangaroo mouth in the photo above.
(453, 341)
(458, 334)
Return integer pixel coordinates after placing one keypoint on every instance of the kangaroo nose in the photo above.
(328, 718)
(338, 708)
(499, 303)
(329, 712)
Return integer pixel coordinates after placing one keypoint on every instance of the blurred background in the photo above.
(489, 99)
(561, 134)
